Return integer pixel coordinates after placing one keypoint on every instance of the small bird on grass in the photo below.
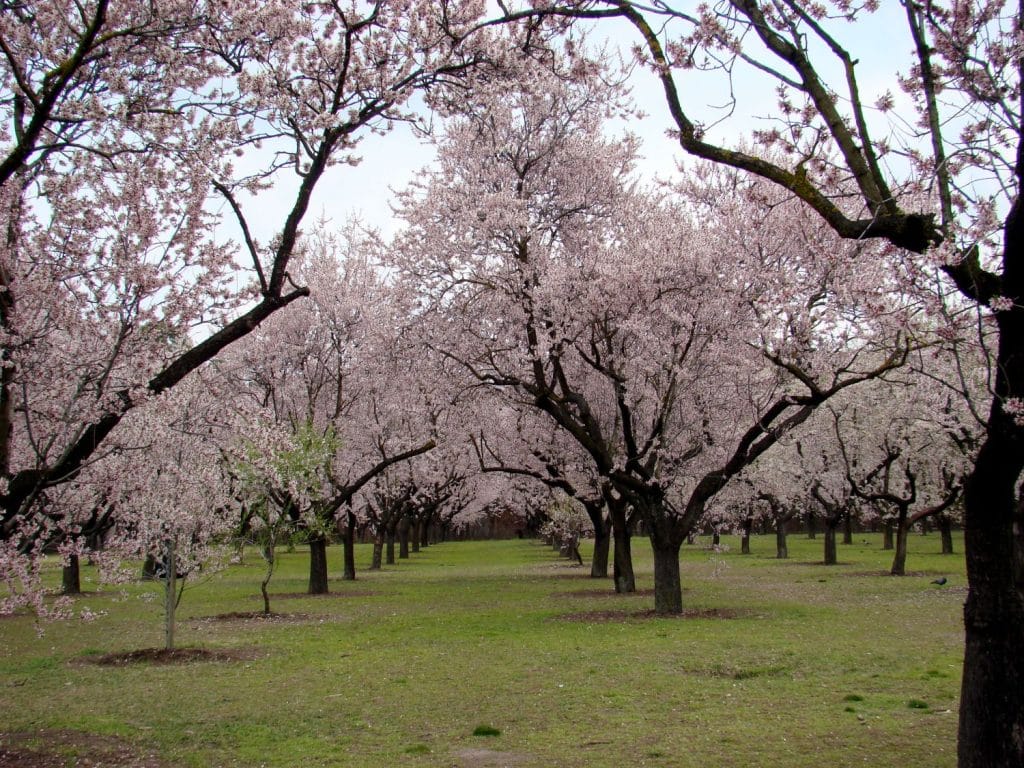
(940, 581)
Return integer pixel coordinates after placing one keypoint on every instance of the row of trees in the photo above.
(824, 311)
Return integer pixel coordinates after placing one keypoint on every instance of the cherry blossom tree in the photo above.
(548, 275)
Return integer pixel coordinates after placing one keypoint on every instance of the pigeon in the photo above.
(940, 581)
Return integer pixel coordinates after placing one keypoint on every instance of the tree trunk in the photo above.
(599, 560)
(887, 541)
(425, 533)
(748, 526)
(349, 547)
(831, 553)
(269, 559)
(625, 580)
(992, 688)
(602, 539)
(668, 590)
(317, 564)
(170, 593)
(945, 533)
(812, 525)
(378, 551)
(71, 577)
(848, 528)
(899, 561)
(414, 535)
(389, 549)
(149, 568)
(781, 550)
(403, 538)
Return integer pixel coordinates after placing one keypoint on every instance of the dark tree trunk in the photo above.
(378, 552)
(425, 533)
(349, 547)
(748, 526)
(71, 577)
(625, 580)
(317, 564)
(992, 688)
(848, 528)
(899, 561)
(599, 560)
(716, 538)
(668, 590)
(781, 550)
(887, 539)
(414, 535)
(403, 539)
(149, 568)
(831, 553)
(945, 533)
(602, 540)
(389, 550)
(812, 525)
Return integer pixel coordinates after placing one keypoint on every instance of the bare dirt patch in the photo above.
(162, 656)
(326, 596)
(610, 592)
(58, 749)
(598, 617)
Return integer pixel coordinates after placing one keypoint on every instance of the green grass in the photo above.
(783, 664)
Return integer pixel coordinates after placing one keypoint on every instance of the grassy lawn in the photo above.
(781, 663)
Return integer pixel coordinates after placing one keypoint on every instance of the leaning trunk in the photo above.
(317, 564)
(71, 577)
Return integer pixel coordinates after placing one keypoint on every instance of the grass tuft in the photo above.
(917, 704)
(853, 697)
(486, 730)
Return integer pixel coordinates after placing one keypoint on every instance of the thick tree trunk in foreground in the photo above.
(317, 564)
(992, 689)
(71, 577)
